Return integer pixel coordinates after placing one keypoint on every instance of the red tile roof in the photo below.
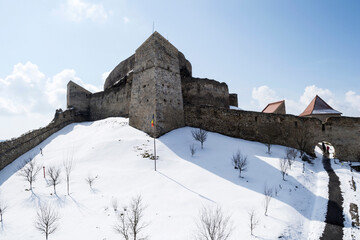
(272, 107)
(318, 106)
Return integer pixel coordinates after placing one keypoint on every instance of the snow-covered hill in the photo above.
(113, 151)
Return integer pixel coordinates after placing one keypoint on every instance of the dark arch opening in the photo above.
(325, 148)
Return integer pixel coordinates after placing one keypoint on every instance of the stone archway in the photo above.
(325, 148)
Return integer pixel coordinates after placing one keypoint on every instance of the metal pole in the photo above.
(155, 151)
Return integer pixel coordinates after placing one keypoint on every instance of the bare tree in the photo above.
(131, 222)
(239, 162)
(200, 135)
(68, 165)
(3, 208)
(254, 221)
(54, 174)
(29, 170)
(213, 225)
(90, 180)
(268, 145)
(268, 193)
(283, 167)
(47, 220)
(302, 141)
(114, 204)
(291, 153)
(192, 149)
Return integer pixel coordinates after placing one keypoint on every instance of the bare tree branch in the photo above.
(213, 225)
(90, 180)
(268, 193)
(290, 155)
(192, 149)
(239, 162)
(68, 165)
(199, 135)
(283, 167)
(47, 220)
(131, 222)
(54, 174)
(29, 171)
(3, 208)
(254, 221)
(268, 145)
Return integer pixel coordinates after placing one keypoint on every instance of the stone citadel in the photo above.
(157, 80)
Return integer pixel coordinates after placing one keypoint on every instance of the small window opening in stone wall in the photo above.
(255, 119)
(323, 127)
(296, 124)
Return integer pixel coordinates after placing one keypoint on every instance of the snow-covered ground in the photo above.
(173, 195)
(350, 194)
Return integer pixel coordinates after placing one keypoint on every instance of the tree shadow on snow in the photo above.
(216, 158)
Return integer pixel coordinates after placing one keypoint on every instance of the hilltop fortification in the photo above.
(157, 80)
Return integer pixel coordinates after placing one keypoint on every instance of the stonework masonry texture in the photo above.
(157, 80)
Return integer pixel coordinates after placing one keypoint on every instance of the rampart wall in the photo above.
(287, 130)
(14, 148)
(203, 91)
(112, 102)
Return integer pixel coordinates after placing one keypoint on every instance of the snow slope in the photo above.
(173, 195)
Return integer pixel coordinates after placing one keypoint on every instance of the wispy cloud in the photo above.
(78, 10)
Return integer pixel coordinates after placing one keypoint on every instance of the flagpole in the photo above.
(155, 151)
(153, 125)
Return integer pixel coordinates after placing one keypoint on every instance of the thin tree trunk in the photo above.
(67, 182)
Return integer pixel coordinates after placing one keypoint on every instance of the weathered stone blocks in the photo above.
(156, 87)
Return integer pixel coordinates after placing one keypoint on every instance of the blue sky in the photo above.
(264, 50)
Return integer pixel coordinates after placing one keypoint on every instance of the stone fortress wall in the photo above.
(157, 80)
(282, 129)
(14, 148)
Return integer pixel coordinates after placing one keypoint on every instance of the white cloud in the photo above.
(354, 101)
(311, 91)
(263, 96)
(28, 98)
(104, 76)
(78, 10)
(126, 20)
(28, 91)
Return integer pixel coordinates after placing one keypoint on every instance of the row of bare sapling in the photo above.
(29, 170)
(47, 217)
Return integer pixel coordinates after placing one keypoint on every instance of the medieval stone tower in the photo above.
(157, 80)
(156, 87)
